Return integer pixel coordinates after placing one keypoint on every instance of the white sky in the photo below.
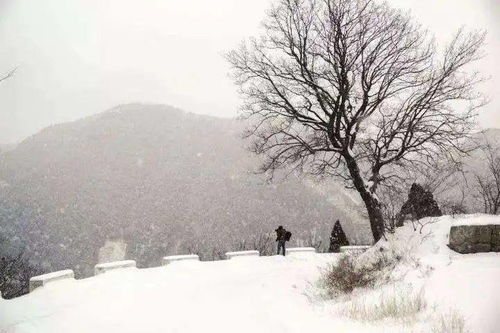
(80, 57)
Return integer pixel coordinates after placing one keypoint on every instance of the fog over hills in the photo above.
(162, 180)
(5, 147)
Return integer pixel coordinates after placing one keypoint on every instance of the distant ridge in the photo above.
(162, 180)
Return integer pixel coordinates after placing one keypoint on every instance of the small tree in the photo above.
(338, 238)
(420, 204)
(313, 239)
(350, 87)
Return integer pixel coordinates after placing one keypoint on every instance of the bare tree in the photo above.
(313, 239)
(457, 206)
(391, 200)
(265, 244)
(350, 87)
(488, 184)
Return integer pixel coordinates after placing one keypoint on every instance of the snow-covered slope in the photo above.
(266, 294)
(451, 282)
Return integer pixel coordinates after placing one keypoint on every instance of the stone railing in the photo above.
(183, 257)
(251, 253)
(65, 275)
(300, 250)
(475, 238)
(110, 266)
(42, 280)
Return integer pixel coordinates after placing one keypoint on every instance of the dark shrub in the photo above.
(347, 274)
(420, 204)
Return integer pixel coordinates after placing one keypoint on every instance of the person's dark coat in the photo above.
(280, 234)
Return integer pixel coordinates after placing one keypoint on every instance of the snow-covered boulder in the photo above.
(495, 239)
(251, 253)
(171, 259)
(103, 268)
(42, 280)
(473, 238)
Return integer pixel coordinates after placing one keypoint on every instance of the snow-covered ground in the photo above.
(466, 284)
(266, 294)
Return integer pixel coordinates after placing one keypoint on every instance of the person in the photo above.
(281, 239)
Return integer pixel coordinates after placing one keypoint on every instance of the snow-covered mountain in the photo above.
(159, 179)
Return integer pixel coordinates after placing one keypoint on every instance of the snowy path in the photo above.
(265, 294)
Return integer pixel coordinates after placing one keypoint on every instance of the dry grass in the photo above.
(398, 304)
(403, 306)
(451, 322)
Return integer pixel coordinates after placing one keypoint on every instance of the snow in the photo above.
(266, 294)
(354, 247)
(470, 285)
(476, 219)
(54, 275)
(293, 250)
(467, 283)
(260, 295)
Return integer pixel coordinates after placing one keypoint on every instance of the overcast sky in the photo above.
(80, 57)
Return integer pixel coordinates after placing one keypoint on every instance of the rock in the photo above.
(495, 238)
(482, 233)
(481, 247)
(460, 234)
(474, 238)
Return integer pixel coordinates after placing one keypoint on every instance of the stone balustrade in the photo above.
(251, 253)
(42, 280)
(170, 259)
(300, 250)
(110, 266)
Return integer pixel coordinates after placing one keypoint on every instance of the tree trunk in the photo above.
(371, 202)
(374, 214)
